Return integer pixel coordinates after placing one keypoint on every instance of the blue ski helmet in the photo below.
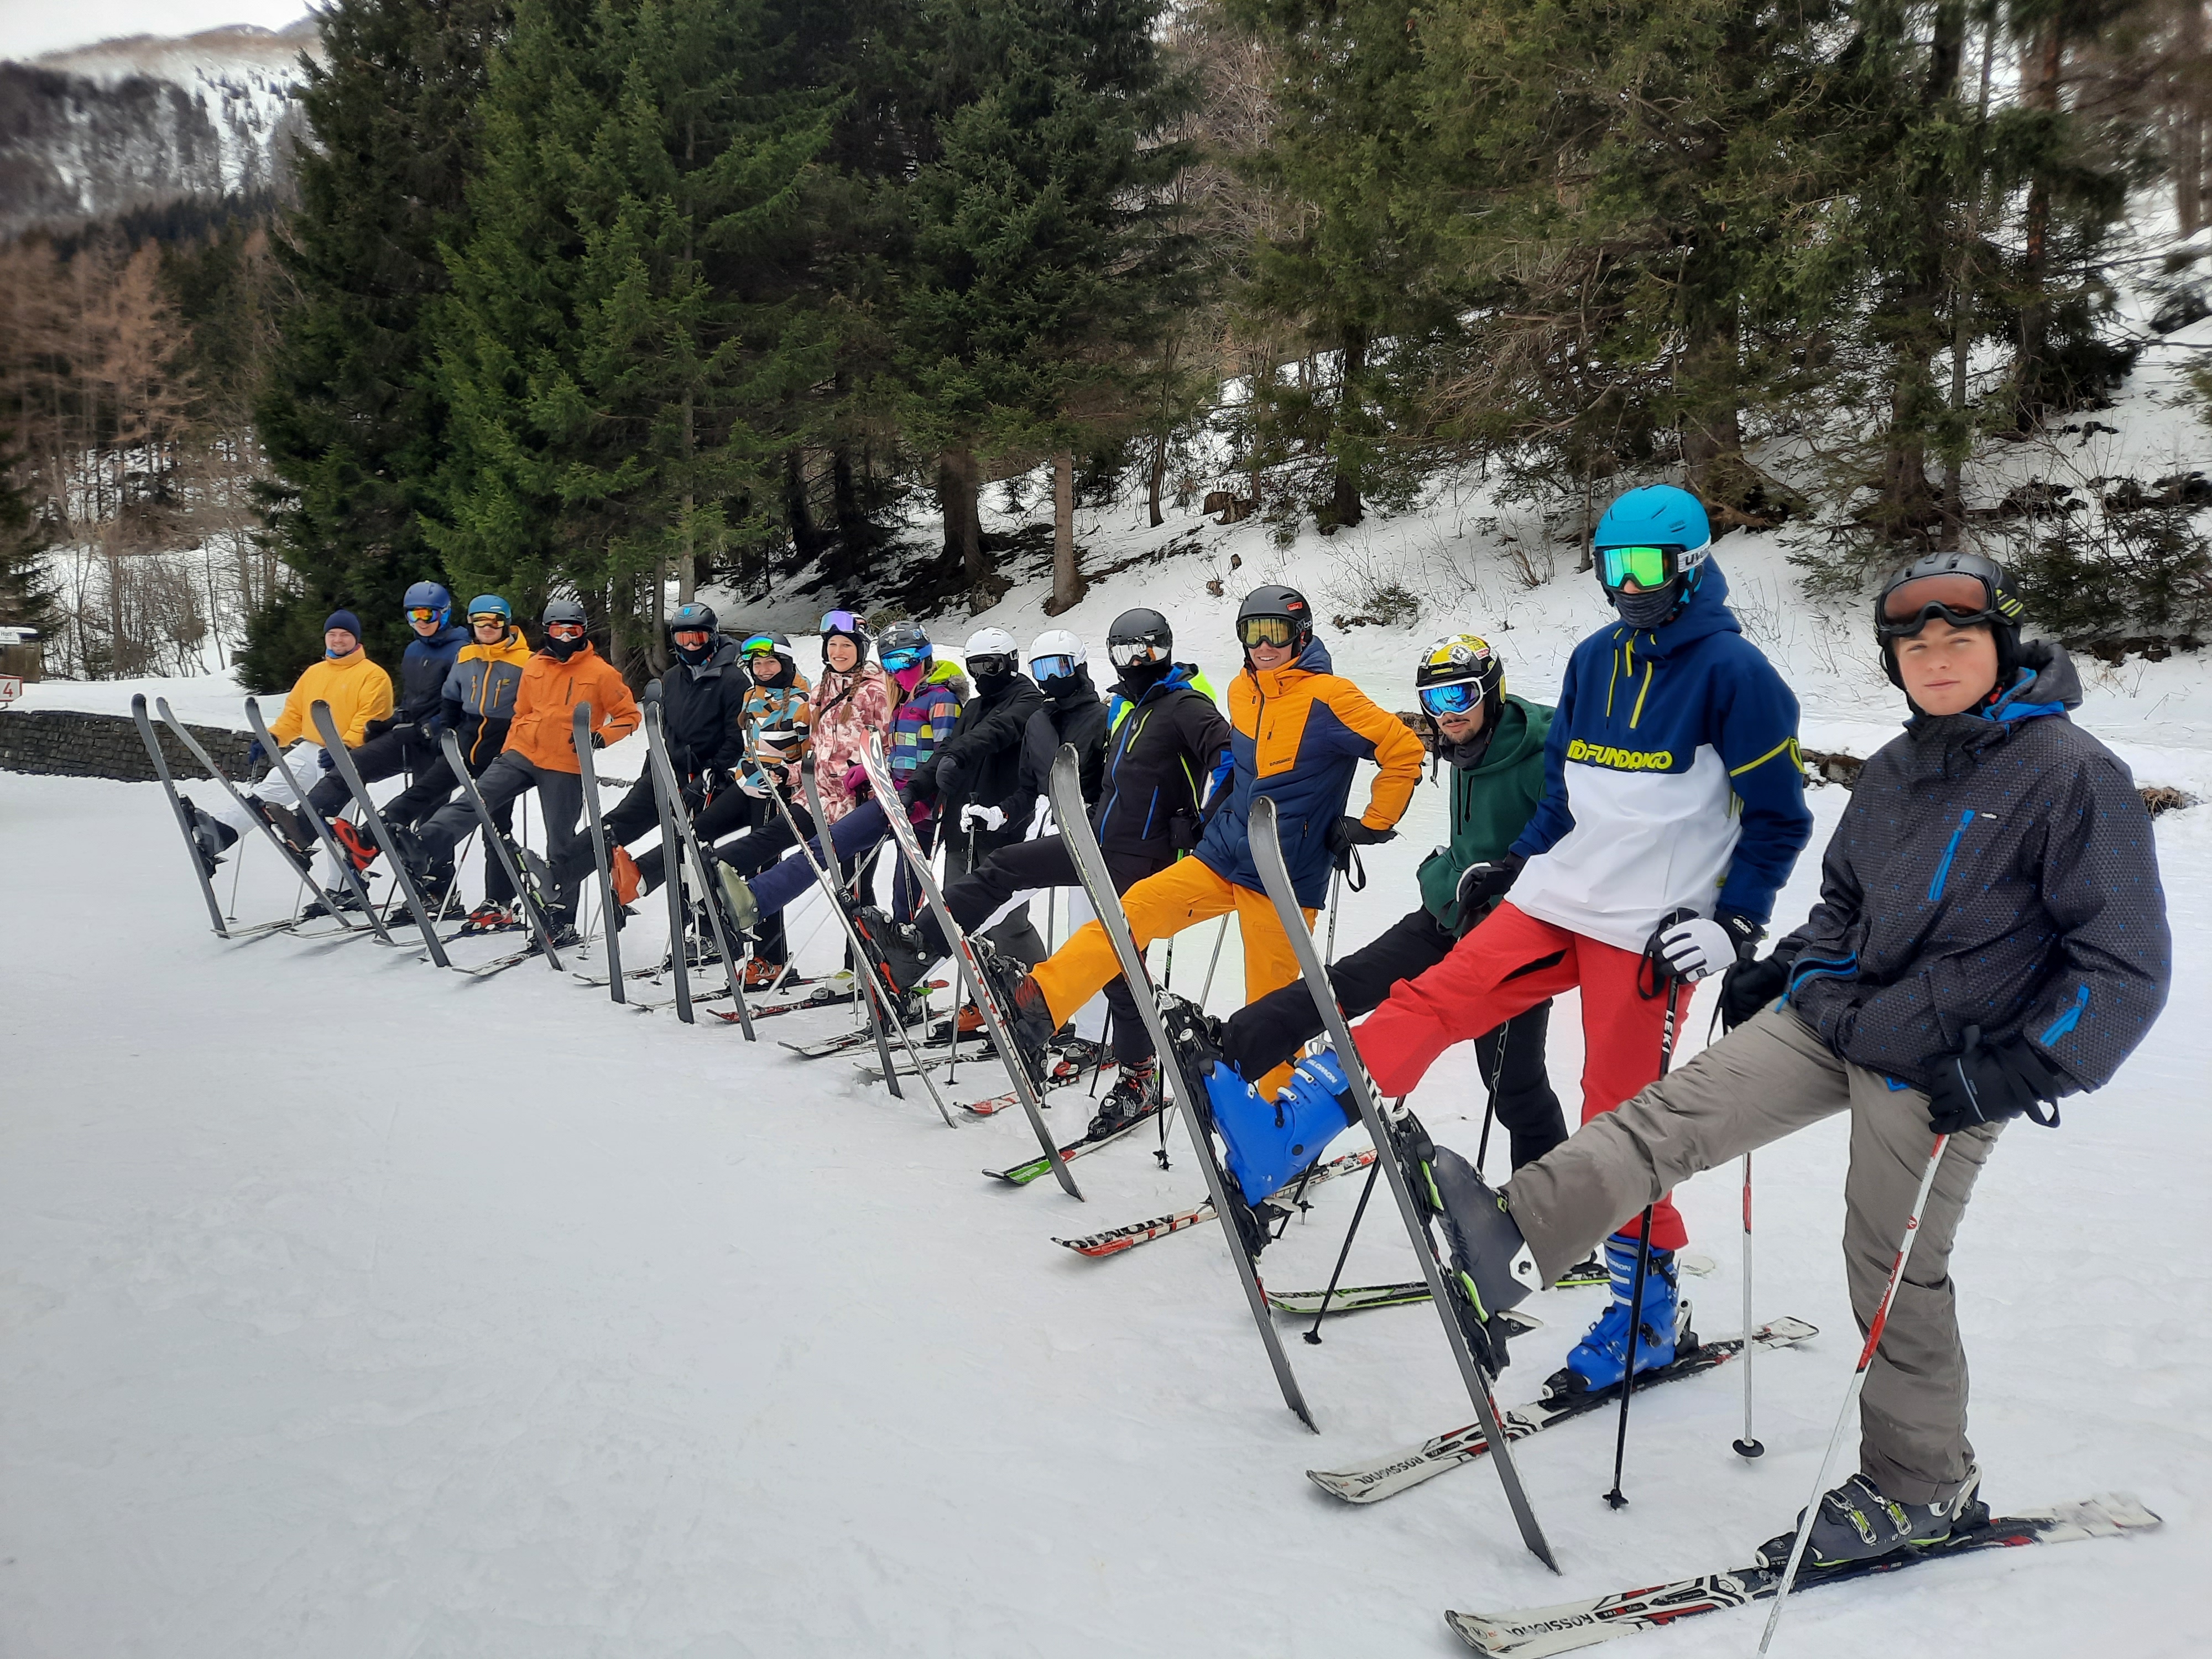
(489, 604)
(1658, 536)
(428, 595)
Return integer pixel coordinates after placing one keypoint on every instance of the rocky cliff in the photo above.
(143, 122)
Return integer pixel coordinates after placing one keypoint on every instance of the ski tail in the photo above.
(1274, 874)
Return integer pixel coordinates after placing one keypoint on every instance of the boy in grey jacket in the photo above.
(1992, 936)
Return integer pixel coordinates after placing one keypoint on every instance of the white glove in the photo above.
(1695, 948)
(982, 817)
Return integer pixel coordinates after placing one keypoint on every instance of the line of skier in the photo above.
(1990, 935)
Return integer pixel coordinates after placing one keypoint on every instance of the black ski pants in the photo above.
(1266, 1034)
(1025, 867)
(382, 757)
(560, 802)
(432, 787)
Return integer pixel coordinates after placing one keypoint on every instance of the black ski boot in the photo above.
(333, 900)
(211, 837)
(1135, 1095)
(1858, 1523)
(898, 952)
(414, 857)
(1021, 1000)
(1492, 1267)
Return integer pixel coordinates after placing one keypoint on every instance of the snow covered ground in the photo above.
(355, 1309)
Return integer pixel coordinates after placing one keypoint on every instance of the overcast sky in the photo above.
(28, 27)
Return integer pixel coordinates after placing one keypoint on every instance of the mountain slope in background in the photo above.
(144, 122)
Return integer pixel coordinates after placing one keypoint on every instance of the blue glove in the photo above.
(255, 754)
(323, 759)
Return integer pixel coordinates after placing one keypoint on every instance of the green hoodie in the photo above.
(1491, 804)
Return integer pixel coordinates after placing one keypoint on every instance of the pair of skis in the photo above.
(1090, 865)
(303, 867)
(971, 969)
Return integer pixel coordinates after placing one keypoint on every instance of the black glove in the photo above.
(1753, 983)
(1185, 832)
(717, 781)
(1482, 885)
(376, 729)
(1988, 1083)
(598, 739)
(692, 794)
(1348, 832)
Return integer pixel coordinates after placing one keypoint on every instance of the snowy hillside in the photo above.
(352, 1308)
(144, 121)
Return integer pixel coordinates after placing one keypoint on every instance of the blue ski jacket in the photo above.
(1672, 780)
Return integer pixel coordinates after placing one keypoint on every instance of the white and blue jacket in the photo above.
(1672, 780)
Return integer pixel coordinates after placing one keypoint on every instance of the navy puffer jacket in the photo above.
(1994, 870)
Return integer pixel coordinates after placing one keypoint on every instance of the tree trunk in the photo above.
(2033, 390)
(1067, 584)
(806, 538)
(959, 479)
(1345, 507)
(1156, 478)
(857, 535)
(1962, 308)
(1705, 378)
(2187, 117)
(1908, 504)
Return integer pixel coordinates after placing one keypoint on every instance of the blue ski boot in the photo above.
(1596, 1361)
(1271, 1142)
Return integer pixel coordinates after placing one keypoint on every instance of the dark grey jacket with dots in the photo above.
(1994, 870)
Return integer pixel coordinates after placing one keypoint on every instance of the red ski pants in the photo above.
(1510, 962)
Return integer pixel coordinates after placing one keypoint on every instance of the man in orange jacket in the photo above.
(1298, 732)
(541, 754)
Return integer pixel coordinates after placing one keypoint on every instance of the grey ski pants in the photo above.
(1770, 1076)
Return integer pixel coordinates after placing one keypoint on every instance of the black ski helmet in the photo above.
(690, 618)
(1276, 601)
(1963, 588)
(903, 637)
(1139, 636)
(562, 610)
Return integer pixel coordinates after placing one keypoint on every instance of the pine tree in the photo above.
(26, 599)
(623, 339)
(1037, 245)
(352, 423)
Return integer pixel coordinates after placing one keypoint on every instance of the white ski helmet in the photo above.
(989, 642)
(1054, 654)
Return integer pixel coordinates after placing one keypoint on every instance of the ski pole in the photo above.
(1344, 1254)
(1490, 1106)
(1616, 1497)
(1858, 1385)
(1748, 1446)
(1336, 887)
(1213, 962)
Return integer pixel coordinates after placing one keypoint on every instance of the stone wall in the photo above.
(69, 744)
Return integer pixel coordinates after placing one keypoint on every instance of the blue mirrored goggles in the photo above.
(1456, 698)
(840, 621)
(1052, 668)
(896, 658)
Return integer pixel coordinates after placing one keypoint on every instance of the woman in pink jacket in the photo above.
(854, 699)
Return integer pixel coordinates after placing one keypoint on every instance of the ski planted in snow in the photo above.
(326, 728)
(1385, 1132)
(1273, 1209)
(1166, 1016)
(1535, 1633)
(354, 879)
(1029, 1090)
(184, 819)
(1022, 1173)
(580, 739)
(671, 797)
(1395, 1472)
(527, 890)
